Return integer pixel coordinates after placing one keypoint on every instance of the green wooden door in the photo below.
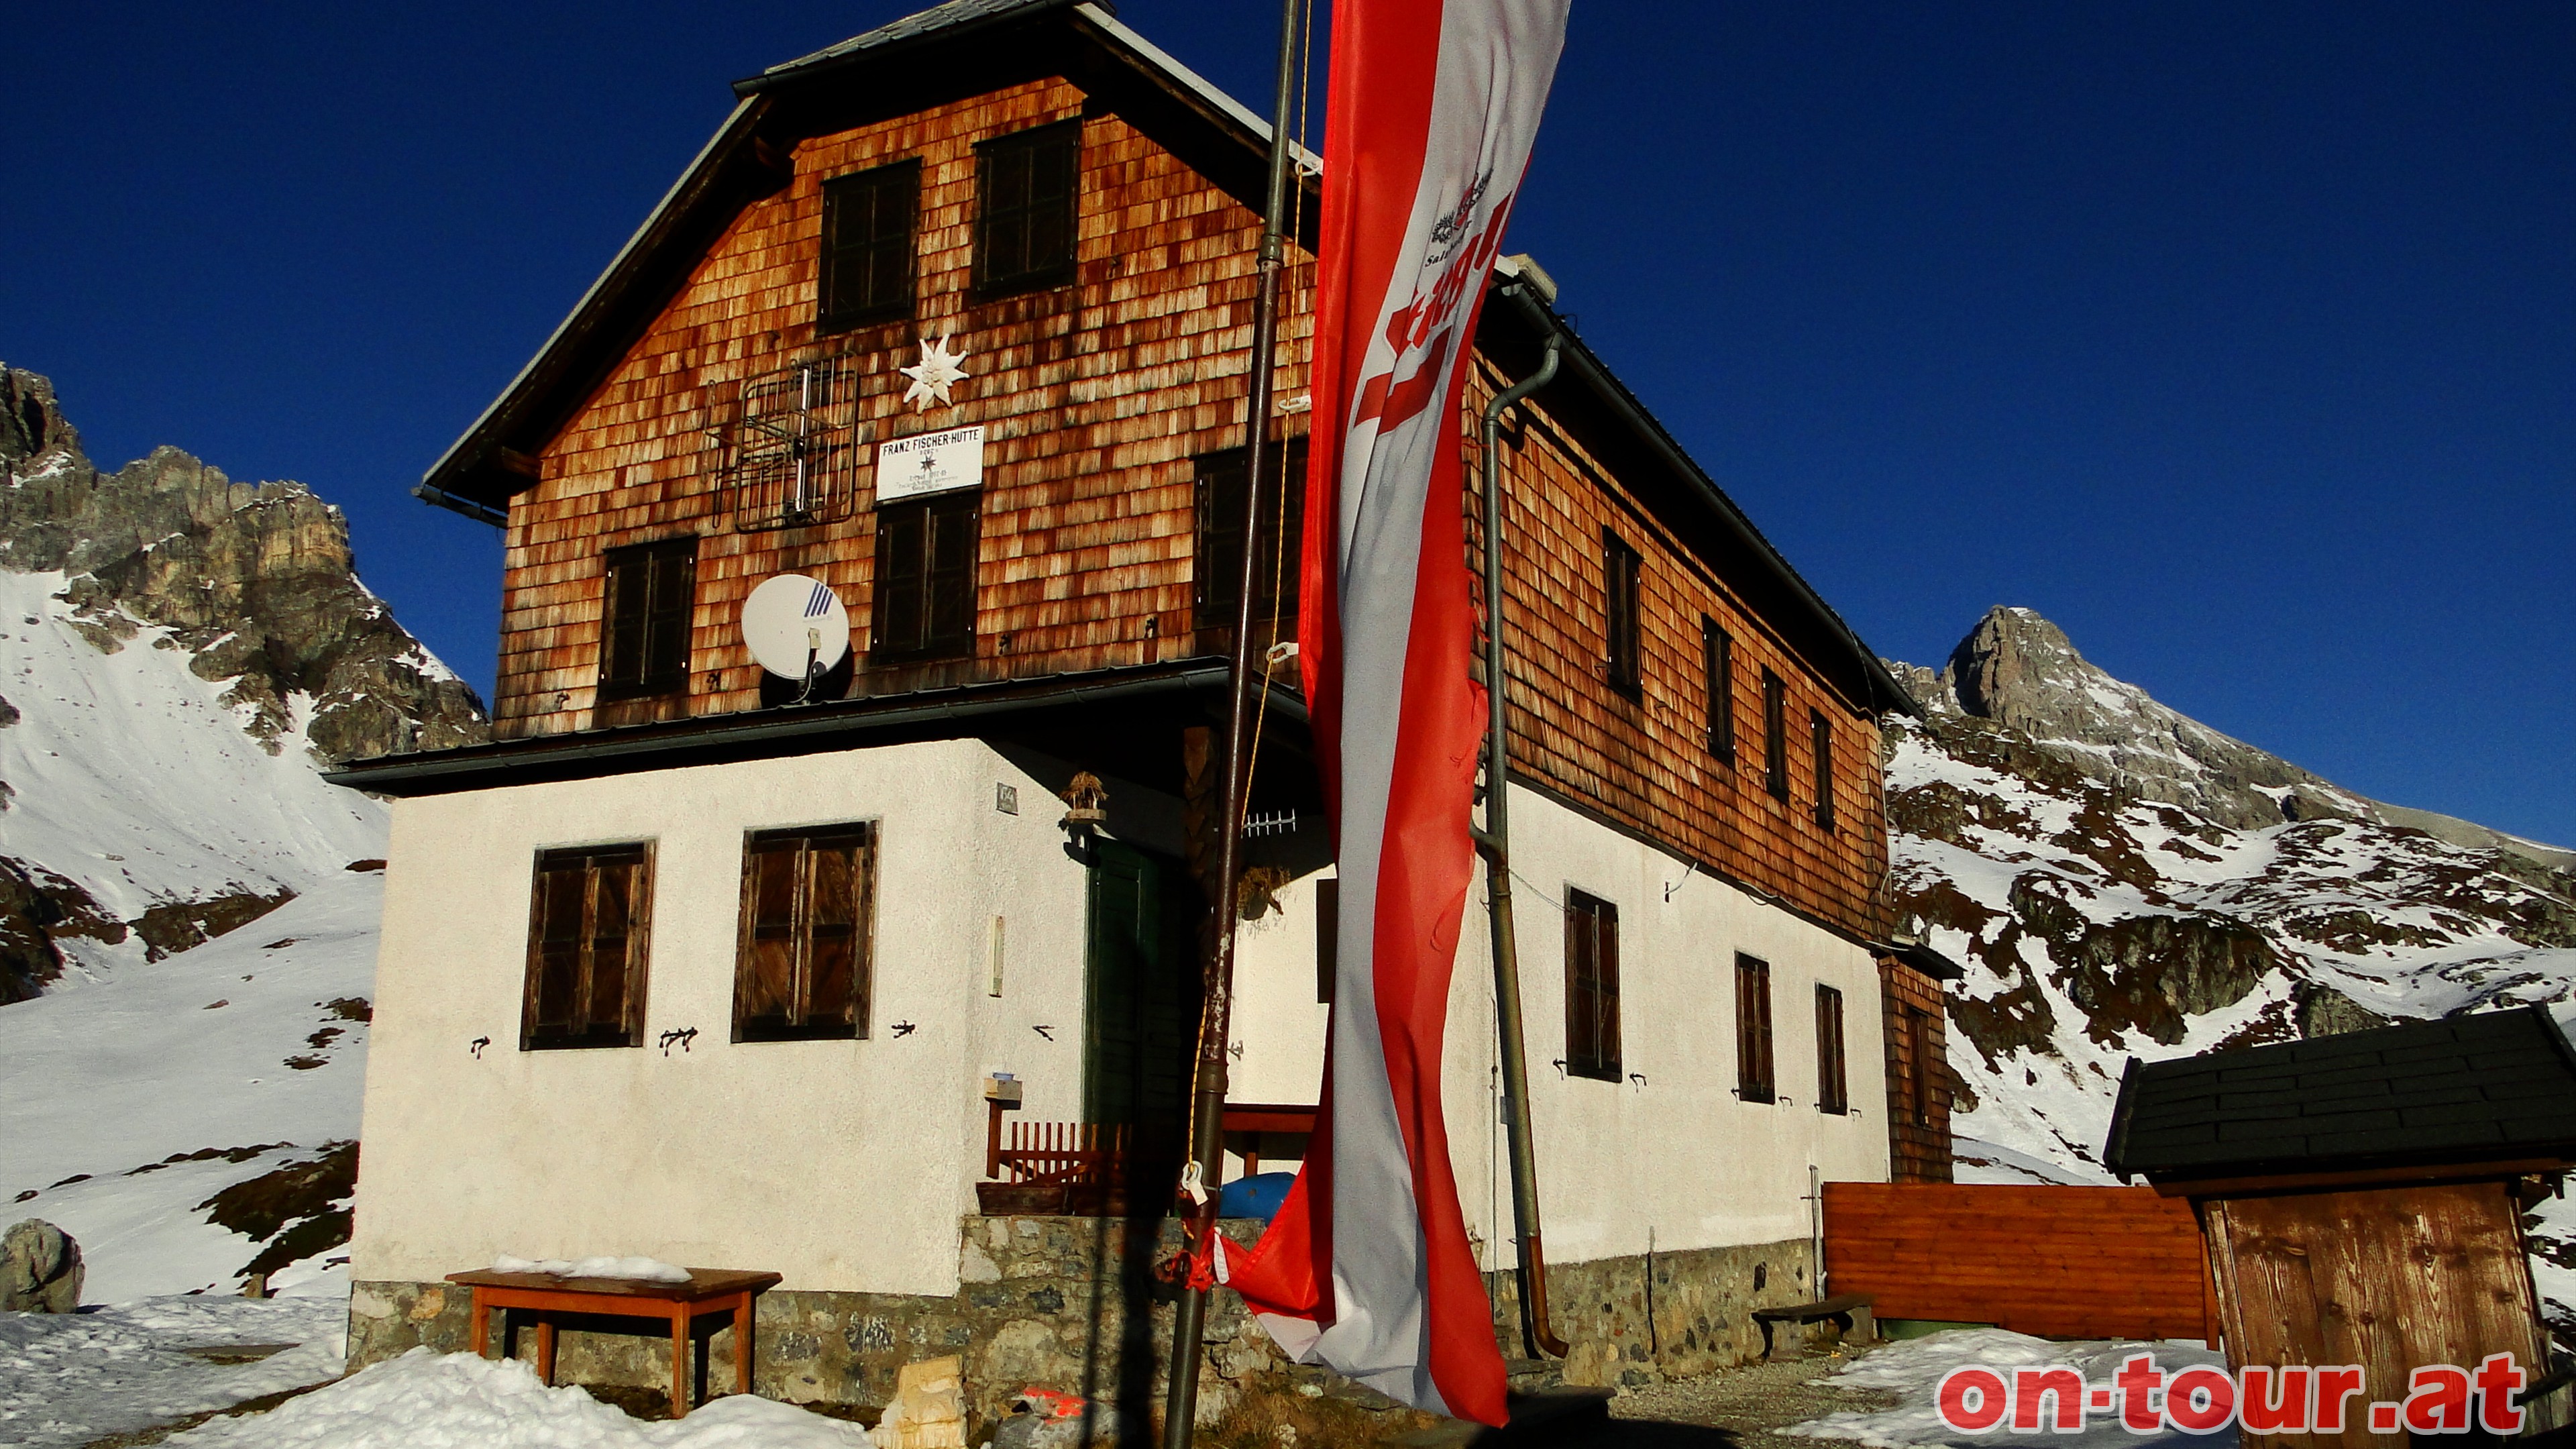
(1141, 1003)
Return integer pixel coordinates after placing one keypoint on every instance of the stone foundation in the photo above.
(1060, 1303)
(1691, 1314)
(1071, 1304)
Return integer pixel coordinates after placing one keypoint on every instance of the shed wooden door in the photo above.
(1141, 996)
(2389, 1279)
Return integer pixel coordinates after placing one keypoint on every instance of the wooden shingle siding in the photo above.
(1095, 399)
(1643, 760)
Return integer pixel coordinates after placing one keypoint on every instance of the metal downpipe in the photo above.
(1495, 843)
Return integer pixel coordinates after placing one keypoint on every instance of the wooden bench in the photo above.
(1842, 1309)
(709, 1291)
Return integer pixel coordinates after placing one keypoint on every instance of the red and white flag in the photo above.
(1434, 103)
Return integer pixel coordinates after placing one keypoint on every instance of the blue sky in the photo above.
(2239, 340)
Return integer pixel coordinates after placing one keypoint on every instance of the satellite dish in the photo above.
(796, 626)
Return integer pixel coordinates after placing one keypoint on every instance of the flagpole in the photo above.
(1207, 1126)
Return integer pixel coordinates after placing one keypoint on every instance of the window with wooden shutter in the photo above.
(1622, 573)
(1027, 186)
(1919, 1066)
(587, 925)
(1717, 654)
(808, 908)
(1223, 490)
(925, 585)
(1775, 735)
(866, 272)
(1753, 1079)
(1823, 735)
(652, 593)
(1591, 987)
(1833, 1090)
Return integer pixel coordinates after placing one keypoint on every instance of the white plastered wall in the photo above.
(1676, 1160)
(842, 1164)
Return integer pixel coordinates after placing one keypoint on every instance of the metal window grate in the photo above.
(793, 455)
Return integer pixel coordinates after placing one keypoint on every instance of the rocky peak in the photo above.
(2019, 671)
(256, 580)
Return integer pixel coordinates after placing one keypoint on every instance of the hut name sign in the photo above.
(2203, 1399)
(925, 463)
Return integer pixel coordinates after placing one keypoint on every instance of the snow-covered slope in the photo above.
(238, 1058)
(130, 777)
(2121, 881)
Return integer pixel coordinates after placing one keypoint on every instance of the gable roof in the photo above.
(2492, 1087)
(968, 47)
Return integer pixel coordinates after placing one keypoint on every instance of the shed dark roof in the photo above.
(2484, 1088)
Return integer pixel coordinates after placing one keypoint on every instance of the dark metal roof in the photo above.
(955, 15)
(2497, 1086)
(1923, 958)
(981, 708)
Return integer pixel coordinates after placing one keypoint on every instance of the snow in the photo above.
(1913, 1369)
(130, 776)
(424, 1400)
(649, 1270)
(69, 1379)
(141, 1065)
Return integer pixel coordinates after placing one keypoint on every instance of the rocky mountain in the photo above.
(178, 652)
(2121, 880)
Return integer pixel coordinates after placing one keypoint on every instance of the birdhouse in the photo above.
(1087, 802)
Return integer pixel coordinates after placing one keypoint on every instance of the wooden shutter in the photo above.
(808, 905)
(1717, 655)
(1823, 735)
(587, 948)
(1775, 735)
(868, 246)
(1832, 1088)
(1591, 987)
(901, 556)
(1753, 1079)
(950, 585)
(1622, 570)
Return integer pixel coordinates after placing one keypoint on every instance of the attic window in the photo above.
(866, 272)
(808, 902)
(586, 948)
(644, 647)
(1026, 186)
(1622, 570)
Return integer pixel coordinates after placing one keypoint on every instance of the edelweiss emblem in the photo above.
(934, 375)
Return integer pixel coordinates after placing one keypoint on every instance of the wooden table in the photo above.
(709, 1291)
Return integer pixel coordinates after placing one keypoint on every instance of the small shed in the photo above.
(2360, 1196)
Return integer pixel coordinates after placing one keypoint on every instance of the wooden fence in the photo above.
(2060, 1262)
